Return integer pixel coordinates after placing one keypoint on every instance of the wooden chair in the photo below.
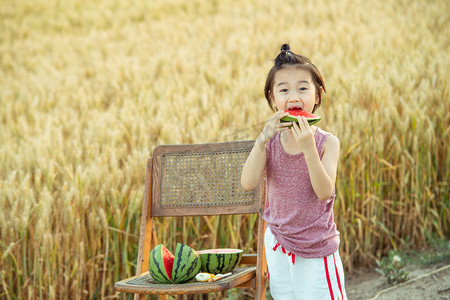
(198, 180)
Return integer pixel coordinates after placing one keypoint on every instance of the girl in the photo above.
(301, 239)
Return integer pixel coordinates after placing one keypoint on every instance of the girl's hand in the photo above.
(303, 135)
(273, 126)
(256, 161)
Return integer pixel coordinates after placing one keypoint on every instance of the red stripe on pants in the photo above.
(337, 276)
(328, 278)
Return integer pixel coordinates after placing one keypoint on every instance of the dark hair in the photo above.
(289, 58)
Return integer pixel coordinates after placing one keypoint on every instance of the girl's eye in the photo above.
(283, 90)
(303, 89)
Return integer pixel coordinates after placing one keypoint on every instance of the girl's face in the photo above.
(293, 88)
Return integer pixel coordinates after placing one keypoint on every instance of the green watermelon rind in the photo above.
(311, 121)
(186, 264)
(220, 263)
(156, 266)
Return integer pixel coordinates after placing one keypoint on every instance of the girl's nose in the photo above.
(294, 98)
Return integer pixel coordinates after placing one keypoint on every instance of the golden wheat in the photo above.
(88, 89)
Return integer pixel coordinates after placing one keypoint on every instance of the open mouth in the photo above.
(295, 108)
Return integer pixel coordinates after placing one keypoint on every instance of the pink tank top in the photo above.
(300, 222)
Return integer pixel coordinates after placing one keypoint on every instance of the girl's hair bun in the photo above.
(285, 48)
(284, 57)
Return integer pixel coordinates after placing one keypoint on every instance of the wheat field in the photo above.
(89, 88)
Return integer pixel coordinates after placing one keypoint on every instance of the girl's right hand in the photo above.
(273, 126)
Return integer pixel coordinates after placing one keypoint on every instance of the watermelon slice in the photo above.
(179, 268)
(294, 113)
(220, 261)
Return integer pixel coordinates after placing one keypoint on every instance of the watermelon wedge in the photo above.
(166, 267)
(294, 113)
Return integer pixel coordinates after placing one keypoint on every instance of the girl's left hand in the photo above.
(303, 135)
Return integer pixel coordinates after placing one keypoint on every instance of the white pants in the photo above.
(297, 278)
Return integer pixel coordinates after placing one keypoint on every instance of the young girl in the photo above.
(301, 239)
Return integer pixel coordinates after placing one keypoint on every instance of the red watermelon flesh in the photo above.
(168, 259)
(294, 113)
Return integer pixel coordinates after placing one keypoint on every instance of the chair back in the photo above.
(202, 179)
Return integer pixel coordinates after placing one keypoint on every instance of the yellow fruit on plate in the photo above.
(203, 277)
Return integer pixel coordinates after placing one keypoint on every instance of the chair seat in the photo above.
(144, 284)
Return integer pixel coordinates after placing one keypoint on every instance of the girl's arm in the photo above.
(254, 166)
(256, 161)
(323, 173)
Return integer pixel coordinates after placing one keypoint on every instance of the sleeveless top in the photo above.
(300, 222)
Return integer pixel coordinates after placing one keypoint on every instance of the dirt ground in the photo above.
(431, 282)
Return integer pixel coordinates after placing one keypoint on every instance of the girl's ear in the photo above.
(319, 95)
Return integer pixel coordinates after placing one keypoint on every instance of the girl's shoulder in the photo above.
(331, 144)
(322, 132)
(327, 140)
(331, 141)
(326, 135)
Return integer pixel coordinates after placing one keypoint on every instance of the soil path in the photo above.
(431, 282)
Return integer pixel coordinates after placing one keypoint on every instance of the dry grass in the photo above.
(87, 89)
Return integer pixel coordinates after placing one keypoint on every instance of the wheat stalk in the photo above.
(87, 90)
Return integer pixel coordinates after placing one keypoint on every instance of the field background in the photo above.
(89, 88)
